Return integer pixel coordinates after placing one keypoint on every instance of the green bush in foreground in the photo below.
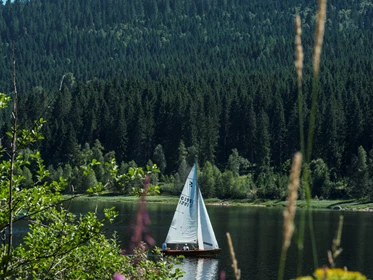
(57, 243)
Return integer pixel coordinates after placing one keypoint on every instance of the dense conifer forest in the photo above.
(166, 82)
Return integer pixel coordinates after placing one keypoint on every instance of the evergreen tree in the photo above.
(354, 127)
(183, 170)
(121, 135)
(332, 135)
(159, 158)
(99, 169)
(278, 132)
(263, 147)
(359, 179)
(320, 181)
(251, 132)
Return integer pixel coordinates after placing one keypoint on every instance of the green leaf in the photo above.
(4, 100)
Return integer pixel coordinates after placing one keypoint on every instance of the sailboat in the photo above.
(191, 233)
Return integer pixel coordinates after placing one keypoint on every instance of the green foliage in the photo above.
(271, 186)
(26, 137)
(183, 170)
(162, 267)
(359, 184)
(177, 185)
(4, 100)
(139, 175)
(159, 158)
(236, 163)
(59, 244)
(320, 179)
(208, 180)
(226, 184)
(241, 187)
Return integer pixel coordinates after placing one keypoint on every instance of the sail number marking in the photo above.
(185, 201)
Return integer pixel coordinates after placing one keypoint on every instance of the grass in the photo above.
(327, 204)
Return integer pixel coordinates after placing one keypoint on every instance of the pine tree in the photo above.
(358, 184)
(263, 146)
(159, 158)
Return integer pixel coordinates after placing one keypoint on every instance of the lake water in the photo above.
(256, 234)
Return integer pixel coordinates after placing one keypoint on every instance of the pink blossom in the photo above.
(118, 276)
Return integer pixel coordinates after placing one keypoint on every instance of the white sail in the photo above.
(208, 240)
(183, 227)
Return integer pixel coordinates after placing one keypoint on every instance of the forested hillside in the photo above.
(169, 81)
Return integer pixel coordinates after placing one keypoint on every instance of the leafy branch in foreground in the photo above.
(56, 243)
(60, 244)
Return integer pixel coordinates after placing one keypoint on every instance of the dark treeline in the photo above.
(172, 81)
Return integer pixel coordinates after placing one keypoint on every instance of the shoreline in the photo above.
(350, 205)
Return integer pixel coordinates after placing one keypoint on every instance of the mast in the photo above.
(199, 226)
(197, 209)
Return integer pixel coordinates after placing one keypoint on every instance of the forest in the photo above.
(174, 82)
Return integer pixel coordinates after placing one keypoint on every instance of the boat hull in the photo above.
(192, 253)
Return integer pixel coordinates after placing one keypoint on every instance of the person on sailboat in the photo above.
(164, 246)
(186, 248)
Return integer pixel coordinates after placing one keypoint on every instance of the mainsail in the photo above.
(183, 228)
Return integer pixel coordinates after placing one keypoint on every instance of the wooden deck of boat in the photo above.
(192, 253)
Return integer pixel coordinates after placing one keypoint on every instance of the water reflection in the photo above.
(200, 268)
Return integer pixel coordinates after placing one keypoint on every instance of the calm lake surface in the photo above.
(256, 234)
